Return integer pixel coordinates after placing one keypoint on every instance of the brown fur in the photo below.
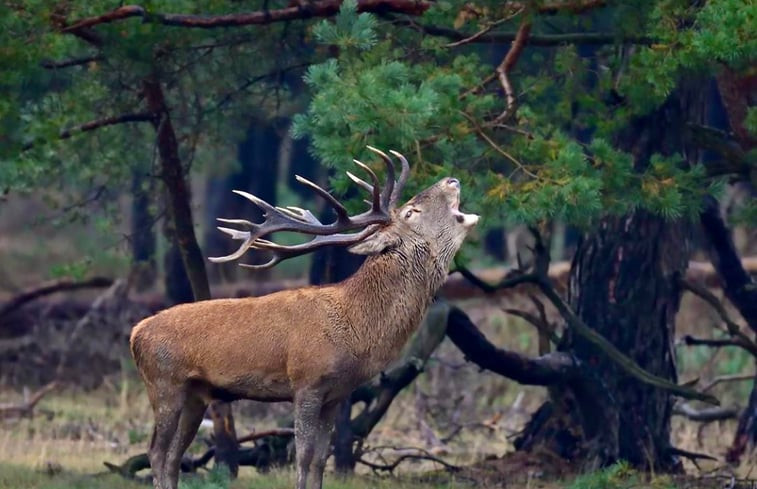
(312, 346)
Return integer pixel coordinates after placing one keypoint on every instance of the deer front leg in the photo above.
(307, 410)
(322, 443)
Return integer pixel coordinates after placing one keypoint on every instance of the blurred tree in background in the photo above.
(623, 119)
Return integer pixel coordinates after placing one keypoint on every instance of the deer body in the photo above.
(312, 346)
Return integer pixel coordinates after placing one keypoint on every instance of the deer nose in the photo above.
(453, 182)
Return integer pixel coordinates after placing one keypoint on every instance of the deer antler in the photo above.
(301, 220)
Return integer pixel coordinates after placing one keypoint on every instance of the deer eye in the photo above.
(408, 213)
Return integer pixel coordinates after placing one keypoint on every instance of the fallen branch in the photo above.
(693, 456)
(262, 434)
(50, 288)
(26, 409)
(260, 457)
(705, 415)
(548, 369)
(408, 456)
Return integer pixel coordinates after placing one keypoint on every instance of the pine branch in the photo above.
(100, 123)
(54, 65)
(304, 10)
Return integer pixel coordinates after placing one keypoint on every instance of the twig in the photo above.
(693, 456)
(479, 34)
(704, 294)
(540, 322)
(409, 456)
(727, 378)
(497, 147)
(721, 342)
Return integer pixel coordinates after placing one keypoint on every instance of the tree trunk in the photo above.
(143, 240)
(182, 226)
(624, 283)
(178, 198)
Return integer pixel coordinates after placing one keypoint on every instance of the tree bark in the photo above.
(173, 175)
(182, 224)
(624, 283)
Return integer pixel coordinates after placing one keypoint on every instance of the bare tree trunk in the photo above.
(143, 240)
(180, 216)
(178, 198)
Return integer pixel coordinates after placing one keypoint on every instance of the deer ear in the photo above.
(374, 244)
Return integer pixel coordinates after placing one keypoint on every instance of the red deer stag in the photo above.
(312, 345)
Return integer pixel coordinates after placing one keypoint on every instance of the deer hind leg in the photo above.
(307, 410)
(189, 422)
(322, 443)
(167, 406)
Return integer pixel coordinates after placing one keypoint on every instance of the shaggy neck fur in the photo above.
(386, 299)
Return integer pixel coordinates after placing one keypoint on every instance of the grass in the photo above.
(22, 477)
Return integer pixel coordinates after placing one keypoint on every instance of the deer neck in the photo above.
(387, 298)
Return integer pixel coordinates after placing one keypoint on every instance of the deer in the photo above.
(311, 346)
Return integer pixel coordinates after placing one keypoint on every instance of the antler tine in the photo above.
(341, 212)
(235, 234)
(376, 188)
(404, 174)
(389, 189)
(303, 215)
(360, 182)
(283, 252)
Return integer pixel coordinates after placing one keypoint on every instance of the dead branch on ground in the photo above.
(420, 455)
(26, 409)
(50, 288)
(705, 415)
